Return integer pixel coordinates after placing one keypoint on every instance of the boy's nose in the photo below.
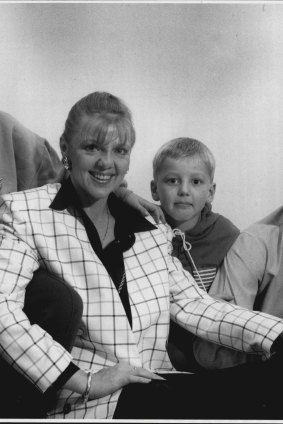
(184, 189)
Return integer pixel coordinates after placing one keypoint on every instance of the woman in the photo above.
(28, 161)
(121, 266)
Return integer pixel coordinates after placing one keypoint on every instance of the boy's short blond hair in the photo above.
(182, 147)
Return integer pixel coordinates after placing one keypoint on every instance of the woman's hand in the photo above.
(111, 379)
(142, 205)
(145, 207)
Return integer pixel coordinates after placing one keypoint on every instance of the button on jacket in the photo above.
(33, 235)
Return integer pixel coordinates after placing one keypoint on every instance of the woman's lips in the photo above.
(101, 178)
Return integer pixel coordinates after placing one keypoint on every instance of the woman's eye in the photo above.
(91, 148)
(121, 150)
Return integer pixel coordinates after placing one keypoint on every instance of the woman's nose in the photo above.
(105, 160)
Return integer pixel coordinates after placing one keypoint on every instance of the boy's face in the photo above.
(183, 187)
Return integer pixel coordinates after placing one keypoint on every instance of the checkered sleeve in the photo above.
(218, 321)
(27, 347)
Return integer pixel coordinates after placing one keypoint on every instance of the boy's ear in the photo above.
(212, 190)
(153, 187)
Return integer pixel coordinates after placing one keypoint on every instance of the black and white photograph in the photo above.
(141, 211)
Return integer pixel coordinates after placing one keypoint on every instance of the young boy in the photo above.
(183, 172)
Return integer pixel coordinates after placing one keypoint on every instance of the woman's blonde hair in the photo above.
(110, 112)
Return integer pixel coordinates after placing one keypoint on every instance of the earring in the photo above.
(67, 165)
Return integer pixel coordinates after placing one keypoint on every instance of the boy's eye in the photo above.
(196, 181)
(172, 181)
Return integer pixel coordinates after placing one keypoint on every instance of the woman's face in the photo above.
(97, 168)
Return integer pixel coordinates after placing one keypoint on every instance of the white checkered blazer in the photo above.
(33, 235)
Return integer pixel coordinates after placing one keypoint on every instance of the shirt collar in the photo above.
(124, 214)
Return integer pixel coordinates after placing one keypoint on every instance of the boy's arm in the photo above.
(142, 205)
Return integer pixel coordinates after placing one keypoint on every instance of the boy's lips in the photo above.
(183, 204)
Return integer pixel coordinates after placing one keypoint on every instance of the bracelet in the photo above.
(85, 395)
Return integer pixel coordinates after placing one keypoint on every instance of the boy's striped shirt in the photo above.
(205, 276)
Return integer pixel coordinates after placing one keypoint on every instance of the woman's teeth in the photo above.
(102, 178)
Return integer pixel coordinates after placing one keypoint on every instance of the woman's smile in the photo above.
(101, 178)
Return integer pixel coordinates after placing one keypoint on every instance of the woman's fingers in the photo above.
(142, 205)
(155, 211)
(137, 379)
(158, 215)
(110, 379)
(142, 372)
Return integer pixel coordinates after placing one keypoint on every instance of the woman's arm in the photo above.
(108, 380)
(237, 281)
(27, 347)
(142, 205)
(217, 321)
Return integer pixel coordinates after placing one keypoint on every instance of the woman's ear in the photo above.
(153, 187)
(211, 193)
(63, 146)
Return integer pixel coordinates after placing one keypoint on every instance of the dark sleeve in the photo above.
(277, 346)
(65, 376)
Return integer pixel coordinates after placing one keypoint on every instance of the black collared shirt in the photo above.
(127, 222)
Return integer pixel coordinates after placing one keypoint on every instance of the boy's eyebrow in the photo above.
(89, 140)
(192, 173)
(171, 173)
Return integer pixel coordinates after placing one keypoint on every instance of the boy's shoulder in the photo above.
(211, 239)
(225, 224)
(220, 232)
(214, 225)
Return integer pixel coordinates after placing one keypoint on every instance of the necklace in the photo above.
(107, 226)
(122, 282)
